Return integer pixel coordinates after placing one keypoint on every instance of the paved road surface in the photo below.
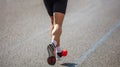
(91, 34)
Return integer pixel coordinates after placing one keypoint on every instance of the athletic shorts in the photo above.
(55, 6)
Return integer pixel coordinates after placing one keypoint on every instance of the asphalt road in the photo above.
(91, 34)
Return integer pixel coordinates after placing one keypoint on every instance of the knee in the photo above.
(58, 27)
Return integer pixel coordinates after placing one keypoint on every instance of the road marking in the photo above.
(80, 60)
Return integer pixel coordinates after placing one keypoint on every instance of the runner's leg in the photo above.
(57, 30)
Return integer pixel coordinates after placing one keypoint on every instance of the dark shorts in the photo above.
(55, 6)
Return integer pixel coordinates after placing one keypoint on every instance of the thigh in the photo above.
(59, 17)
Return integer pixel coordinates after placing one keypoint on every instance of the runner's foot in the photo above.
(58, 56)
(51, 50)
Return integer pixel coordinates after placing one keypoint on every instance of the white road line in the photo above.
(80, 60)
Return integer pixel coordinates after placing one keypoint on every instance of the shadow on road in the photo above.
(69, 64)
